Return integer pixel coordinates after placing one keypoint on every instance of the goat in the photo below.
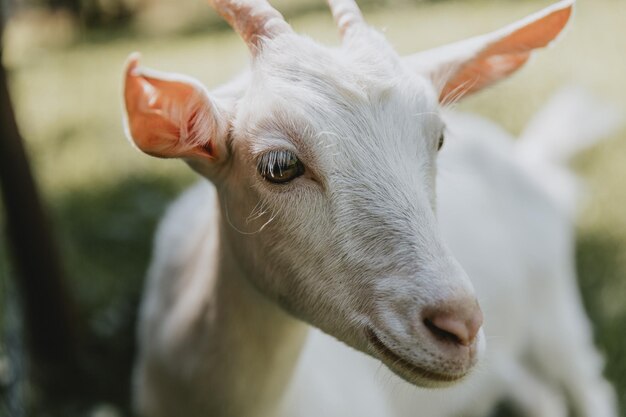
(321, 213)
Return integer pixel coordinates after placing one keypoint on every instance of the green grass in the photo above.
(106, 198)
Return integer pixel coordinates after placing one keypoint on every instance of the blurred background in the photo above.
(64, 62)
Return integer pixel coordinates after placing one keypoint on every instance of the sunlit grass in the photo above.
(106, 197)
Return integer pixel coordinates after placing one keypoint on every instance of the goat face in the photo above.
(336, 157)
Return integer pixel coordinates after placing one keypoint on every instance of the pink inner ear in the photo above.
(537, 34)
(502, 57)
(162, 113)
(481, 73)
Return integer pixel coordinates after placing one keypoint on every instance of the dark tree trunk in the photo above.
(45, 304)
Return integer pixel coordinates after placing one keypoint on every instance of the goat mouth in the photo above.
(390, 357)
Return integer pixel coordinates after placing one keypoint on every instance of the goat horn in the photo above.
(251, 19)
(346, 14)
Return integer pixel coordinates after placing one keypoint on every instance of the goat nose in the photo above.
(458, 322)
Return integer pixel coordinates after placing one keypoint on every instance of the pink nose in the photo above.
(455, 322)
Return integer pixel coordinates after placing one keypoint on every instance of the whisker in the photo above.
(457, 93)
(254, 213)
(267, 222)
(238, 230)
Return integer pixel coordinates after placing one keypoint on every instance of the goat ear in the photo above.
(468, 66)
(171, 116)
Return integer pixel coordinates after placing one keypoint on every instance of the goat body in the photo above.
(323, 212)
(518, 248)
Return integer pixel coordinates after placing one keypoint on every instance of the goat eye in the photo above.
(280, 167)
(441, 140)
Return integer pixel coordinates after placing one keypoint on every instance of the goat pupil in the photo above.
(441, 140)
(283, 170)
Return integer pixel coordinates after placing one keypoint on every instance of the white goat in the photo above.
(321, 213)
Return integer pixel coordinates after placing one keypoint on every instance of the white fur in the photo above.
(243, 268)
(481, 178)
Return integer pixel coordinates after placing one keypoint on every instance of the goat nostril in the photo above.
(442, 333)
(454, 329)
